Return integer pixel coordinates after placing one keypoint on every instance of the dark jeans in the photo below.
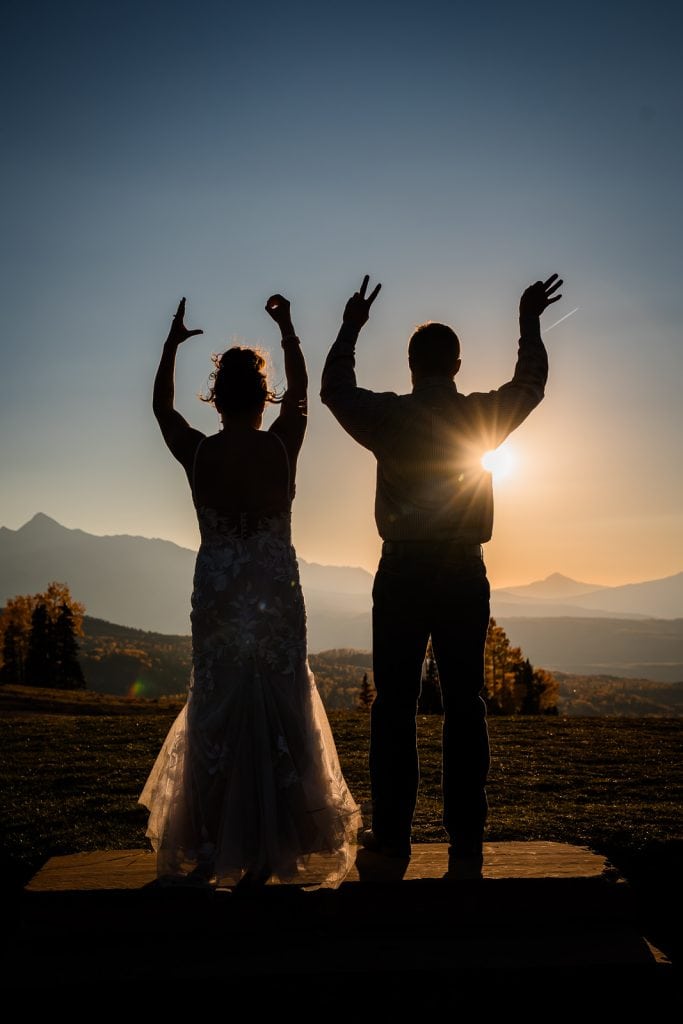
(423, 590)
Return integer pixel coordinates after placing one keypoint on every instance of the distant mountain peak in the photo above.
(554, 586)
(42, 517)
(42, 522)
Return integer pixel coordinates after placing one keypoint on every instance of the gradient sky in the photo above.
(455, 152)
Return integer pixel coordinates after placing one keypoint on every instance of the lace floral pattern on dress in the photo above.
(248, 779)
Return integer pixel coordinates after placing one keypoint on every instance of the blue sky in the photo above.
(454, 152)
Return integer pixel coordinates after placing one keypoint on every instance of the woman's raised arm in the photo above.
(290, 425)
(181, 438)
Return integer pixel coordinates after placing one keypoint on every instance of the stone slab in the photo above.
(541, 908)
(133, 869)
(533, 884)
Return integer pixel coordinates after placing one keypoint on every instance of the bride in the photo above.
(247, 785)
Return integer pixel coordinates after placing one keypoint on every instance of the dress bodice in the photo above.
(243, 474)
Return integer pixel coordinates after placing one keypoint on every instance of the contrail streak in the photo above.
(571, 311)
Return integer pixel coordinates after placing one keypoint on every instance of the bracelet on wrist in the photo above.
(289, 337)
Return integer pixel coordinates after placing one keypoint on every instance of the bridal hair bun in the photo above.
(240, 382)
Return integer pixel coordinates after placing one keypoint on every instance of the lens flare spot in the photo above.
(500, 462)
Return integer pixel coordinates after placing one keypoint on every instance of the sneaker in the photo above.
(370, 842)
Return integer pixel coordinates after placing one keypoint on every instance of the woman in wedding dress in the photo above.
(247, 786)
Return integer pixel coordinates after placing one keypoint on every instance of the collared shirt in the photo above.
(431, 484)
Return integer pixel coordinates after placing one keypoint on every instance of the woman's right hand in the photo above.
(179, 332)
(277, 307)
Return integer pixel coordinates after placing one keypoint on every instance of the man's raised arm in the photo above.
(356, 409)
(503, 410)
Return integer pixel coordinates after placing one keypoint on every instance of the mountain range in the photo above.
(560, 623)
(146, 583)
(558, 595)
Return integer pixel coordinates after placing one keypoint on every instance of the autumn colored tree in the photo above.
(24, 660)
(512, 685)
(55, 597)
(15, 626)
(496, 669)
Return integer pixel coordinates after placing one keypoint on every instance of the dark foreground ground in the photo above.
(71, 772)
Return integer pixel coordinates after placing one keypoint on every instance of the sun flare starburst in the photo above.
(500, 462)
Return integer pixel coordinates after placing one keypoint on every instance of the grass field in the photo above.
(72, 766)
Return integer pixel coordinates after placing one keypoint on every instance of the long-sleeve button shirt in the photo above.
(431, 484)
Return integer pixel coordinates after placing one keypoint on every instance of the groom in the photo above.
(434, 510)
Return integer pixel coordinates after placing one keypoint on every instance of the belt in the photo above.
(416, 547)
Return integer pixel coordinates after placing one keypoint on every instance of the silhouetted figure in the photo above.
(248, 784)
(434, 510)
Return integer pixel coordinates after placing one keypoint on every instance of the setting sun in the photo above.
(500, 462)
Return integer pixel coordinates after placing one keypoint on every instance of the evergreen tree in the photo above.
(12, 670)
(40, 659)
(67, 672)
(530, 699)
(366, 693)
(430, 702)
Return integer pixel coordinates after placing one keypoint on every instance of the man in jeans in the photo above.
(434, 510)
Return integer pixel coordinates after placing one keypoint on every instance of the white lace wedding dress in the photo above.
(248, 779)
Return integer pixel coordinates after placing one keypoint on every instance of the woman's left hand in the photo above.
(179, 332)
